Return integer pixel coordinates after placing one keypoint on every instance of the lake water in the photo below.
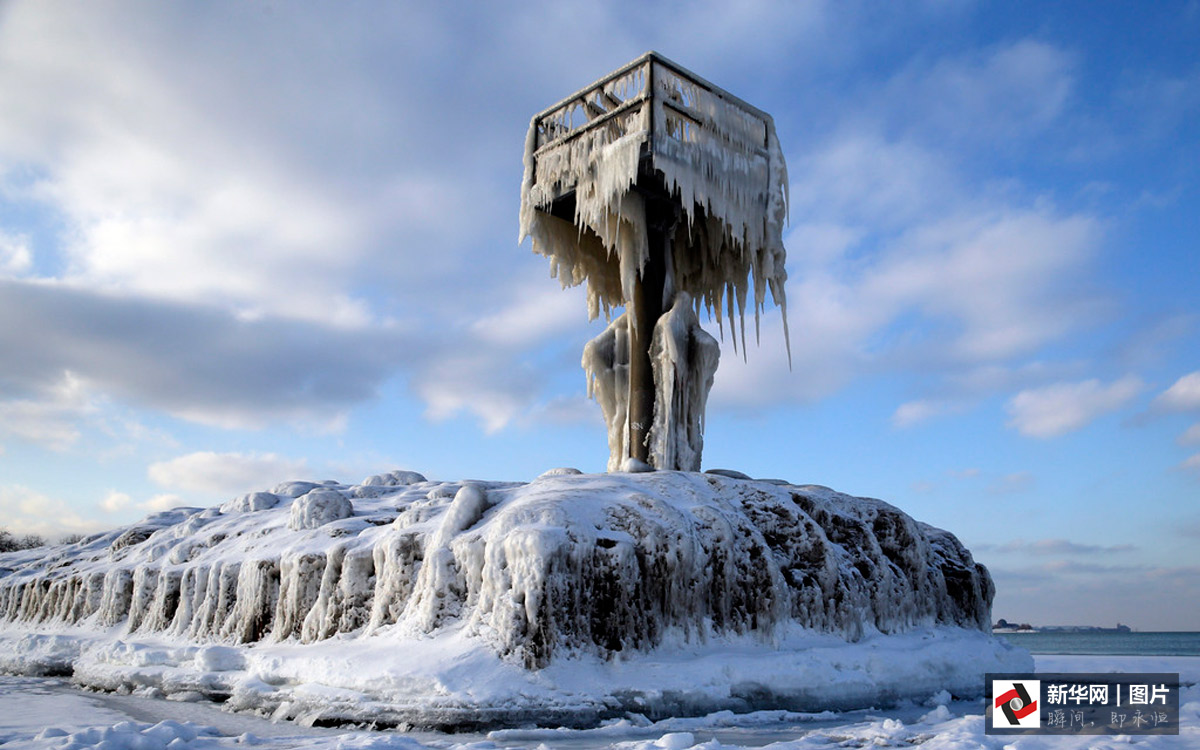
(1108, 644)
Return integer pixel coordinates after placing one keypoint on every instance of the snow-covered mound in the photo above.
(415, 581)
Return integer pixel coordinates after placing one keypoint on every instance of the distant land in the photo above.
(1004, 626)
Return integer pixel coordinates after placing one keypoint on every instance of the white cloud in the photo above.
(565, 410)
(482, 383)
(163, 502)
(1057, 409)
(859, 178)
(193, 156)
(115, 501)
(15, 258)
(1000, 94)
(50, 417)
(900, 262)
(27, 511)
(211, 182)
(1184, 395)
(190, 361)
(222, 473)
(1191, 463)
(1191, 436)
(534, 314)
(975, 291)
(914, 412)
(994, 278)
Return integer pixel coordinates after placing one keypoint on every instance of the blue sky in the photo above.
(248, 242)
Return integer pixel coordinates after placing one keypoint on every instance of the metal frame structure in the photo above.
(690, 121)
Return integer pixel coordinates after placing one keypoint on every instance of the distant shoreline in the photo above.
(1004, 626)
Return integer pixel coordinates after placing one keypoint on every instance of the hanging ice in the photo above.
(654, 176)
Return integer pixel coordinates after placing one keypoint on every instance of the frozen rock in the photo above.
(294, 489)
(317, 508)
(731, 473)
(394, 479)
(562, 471)
(251, 502)
(611, 568)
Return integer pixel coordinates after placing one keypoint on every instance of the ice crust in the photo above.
(684, 358)
(723, 163)
(39, 714)
(615, 570)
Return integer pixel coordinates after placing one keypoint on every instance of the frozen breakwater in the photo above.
(573, 597)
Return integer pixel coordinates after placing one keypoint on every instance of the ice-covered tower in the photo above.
(666, 195)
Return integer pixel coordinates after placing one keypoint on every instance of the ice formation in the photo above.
(569, 598)
(685, 359)
(606, 364)
(591, 162)
(599, 563)
(318, 507)
(718, 156)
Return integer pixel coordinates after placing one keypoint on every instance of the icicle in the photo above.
(724, 164)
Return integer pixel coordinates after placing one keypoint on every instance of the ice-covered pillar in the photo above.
(646, 306)
(653, 185)
(651, 298)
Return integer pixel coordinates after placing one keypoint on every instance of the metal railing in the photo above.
(684, 107)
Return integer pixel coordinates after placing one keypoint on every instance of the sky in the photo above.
(242, 243)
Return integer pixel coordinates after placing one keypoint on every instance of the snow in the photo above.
(251, 502)
(41, 714)
(318, 507)
(398, 478)
(219, 659)
(569, 599)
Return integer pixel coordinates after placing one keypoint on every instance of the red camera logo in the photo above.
(1016, 704)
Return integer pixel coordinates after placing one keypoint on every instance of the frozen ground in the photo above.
(45, 713)
(450, 682)
(569, 600)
